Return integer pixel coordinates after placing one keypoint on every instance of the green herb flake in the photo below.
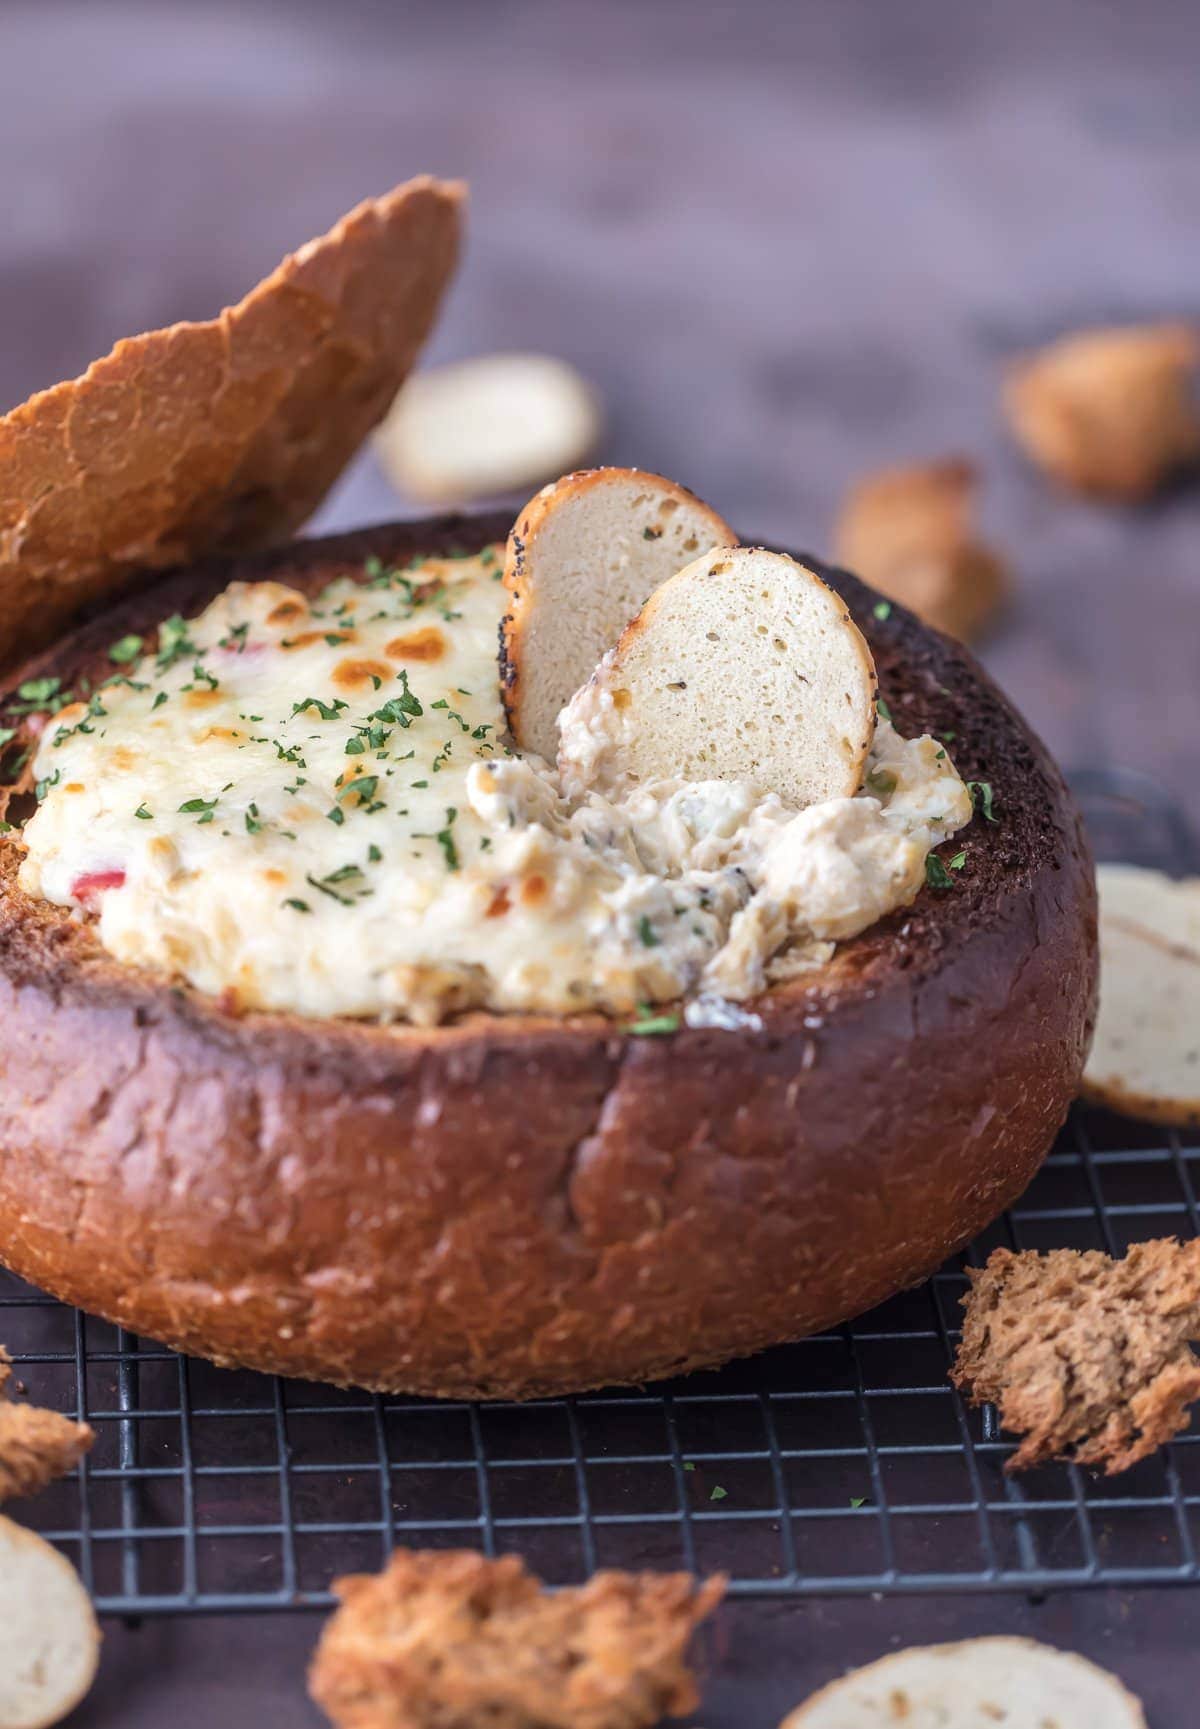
(882, 709)
(445, 840)
(936, 874)
(125, 650)
(857, 1501)
(336, 815)
(144, 815)
(159, 700)
(958, 861)
(981, 792)
(327, 711)
(882, 781)
(882, 610)
(174, 643)
(373, 854)
(646, 933)
(253, 821)
(191, 806)
(649, 1025)
(717, 1493)
(298, 906)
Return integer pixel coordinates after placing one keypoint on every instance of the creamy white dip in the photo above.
(310, 806)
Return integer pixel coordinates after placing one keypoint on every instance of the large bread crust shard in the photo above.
(449, 1640)
(317, 1198)
(1086, 1357)
(225, 434)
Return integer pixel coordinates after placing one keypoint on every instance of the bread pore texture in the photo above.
(583, 557)
(744, 666)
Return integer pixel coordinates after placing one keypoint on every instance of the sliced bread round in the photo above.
(49, 1639)
(1145, 1058)
(974, 1684)
(583, 556)
(742, 666)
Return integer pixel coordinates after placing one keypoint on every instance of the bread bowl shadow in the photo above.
(513, 1206)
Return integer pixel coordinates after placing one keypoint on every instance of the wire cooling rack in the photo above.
(845, 1463)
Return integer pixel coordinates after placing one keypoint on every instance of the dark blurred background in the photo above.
(788, 241)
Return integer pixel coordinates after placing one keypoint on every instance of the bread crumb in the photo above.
(910, 533)
(449, 1639)
(1086, 1357)
(1109, 413)
(35, 1445)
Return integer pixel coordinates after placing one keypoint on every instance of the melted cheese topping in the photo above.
(311, 807)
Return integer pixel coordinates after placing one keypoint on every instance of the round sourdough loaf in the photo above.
(512, 1206)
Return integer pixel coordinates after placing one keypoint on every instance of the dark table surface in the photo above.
(788, 241)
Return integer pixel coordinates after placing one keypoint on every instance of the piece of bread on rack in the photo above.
(49, 1638)
(1086, 1357)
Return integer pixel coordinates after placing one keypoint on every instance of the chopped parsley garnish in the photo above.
(373, 854)
(365, 785)
(344, 885)
(298, 906)
(236, 637)
(445, 840)
(882, 781)
(646, 933)
(201, 807)
(253, 821)
(936, 874)
(650, 1025)
(958, 861)
(652, 533)
(127, 648)
(42, 787)
(38, 694)
(858, 1501)
(399, 710)
(159, 700)
(327, 711)
(483, 730)
(717, 1493)
(201, 676)
(336, 815)
(948, 736)
(981, 792)
(882, 610)
(452, 713)
(143, 814)
(174, 643)
(882, 709)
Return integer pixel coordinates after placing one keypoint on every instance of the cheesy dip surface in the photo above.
(311, 806)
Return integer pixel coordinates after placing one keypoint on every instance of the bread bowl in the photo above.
(510, 1205)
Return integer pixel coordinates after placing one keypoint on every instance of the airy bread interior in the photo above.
(49, 1640)
(743, 666)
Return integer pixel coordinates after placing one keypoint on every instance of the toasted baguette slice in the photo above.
(743, 666)
(49, 1640)
(1145, 1058)
(583, 556)
(487, 426)
(974, 1684)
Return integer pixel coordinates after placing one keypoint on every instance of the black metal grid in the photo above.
(844, 1463)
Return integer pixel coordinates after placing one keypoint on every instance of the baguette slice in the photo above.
(487, 426)
(743, 666)
(49, 1639)
(974, 1684)
(583, 556)
(1145, 1058)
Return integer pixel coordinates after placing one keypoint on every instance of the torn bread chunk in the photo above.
(974, 1684)
(1145, 1057)
(36, 1446)
(583, 557)
(910, 533)
(1085, 1357)
(49, 1639)
(450, 1640)
(743, 666)
(487, 426)
(1110, 412)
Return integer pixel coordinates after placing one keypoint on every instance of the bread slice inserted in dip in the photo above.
(742, 666)
(583, 556)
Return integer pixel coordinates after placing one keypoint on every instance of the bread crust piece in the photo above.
(225, 434)
(446, 1639)
(512, 1206)
(1086, 1357)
